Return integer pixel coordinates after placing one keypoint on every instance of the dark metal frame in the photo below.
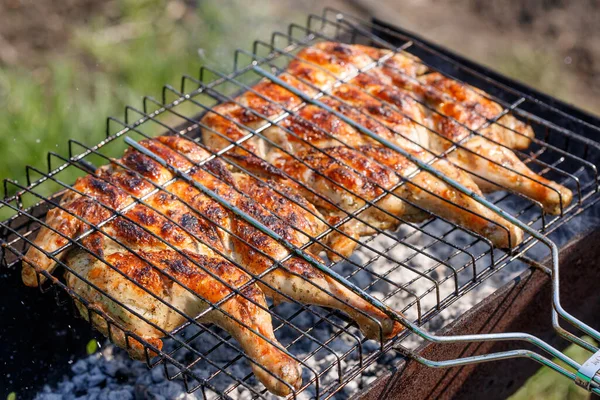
(561, 153)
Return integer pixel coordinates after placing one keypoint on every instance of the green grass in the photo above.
(111, 63)
(71, 97)
(549, 385)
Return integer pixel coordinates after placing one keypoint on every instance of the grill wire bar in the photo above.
(19, 230)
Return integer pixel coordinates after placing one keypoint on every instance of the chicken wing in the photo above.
(403, 69)
(487, 153)
(385, 170)
(477, 109)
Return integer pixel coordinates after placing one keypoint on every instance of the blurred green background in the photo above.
(67, 65)
(124, 50)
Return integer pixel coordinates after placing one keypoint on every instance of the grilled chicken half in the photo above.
(161, 263)
(281, 209)
(347, 179)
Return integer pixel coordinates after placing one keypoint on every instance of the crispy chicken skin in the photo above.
(488, 154)
(477, 109)
(351, 180)
(162, 300)
(165, 260)
(279, 207)
(403, 69)
(384, 170)
(162, 262)
(62, 226)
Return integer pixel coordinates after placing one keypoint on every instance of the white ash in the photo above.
(111, 374)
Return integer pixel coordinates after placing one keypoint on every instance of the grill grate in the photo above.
(420, 270)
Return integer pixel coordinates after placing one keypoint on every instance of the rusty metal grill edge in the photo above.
(561, 154)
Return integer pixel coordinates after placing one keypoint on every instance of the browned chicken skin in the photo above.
(296, 278)
(313, 132)
(161, 262)
(455, 109)
(288, 214)
(488, 154)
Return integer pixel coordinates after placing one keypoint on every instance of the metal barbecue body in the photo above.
(426, 275)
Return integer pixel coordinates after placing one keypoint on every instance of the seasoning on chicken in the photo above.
(158, 266)
(312, 131)
(164, 262)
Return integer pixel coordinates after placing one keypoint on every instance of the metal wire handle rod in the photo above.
(564, 333)
(484, 202)
(246, 87)
(130, 143)
(375, 302)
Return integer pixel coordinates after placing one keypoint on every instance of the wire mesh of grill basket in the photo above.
(424, 267)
